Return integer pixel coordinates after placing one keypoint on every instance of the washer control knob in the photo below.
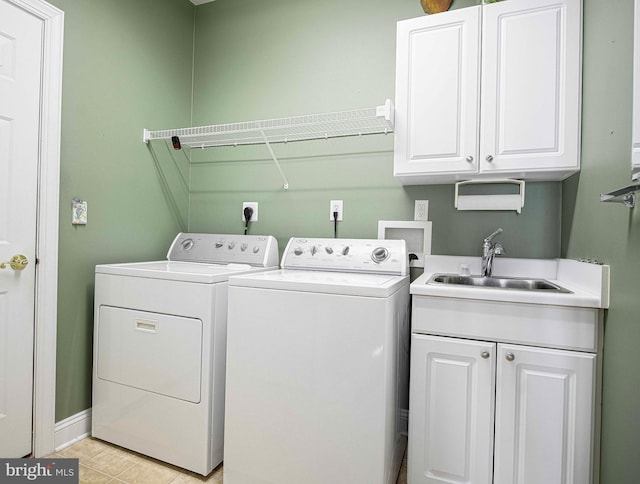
(243, 246)
(219, 244)
(256, 249)
(379, 254)
(187, 244)
(345, 250)
(231, 244)
(314, 249)
(298, 251)
(328, 250)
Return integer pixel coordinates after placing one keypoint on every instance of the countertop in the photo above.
(588, 283)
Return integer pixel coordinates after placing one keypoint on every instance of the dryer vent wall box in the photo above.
(416, 234)
(171, 409)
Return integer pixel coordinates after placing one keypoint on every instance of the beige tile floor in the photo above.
(101, 463)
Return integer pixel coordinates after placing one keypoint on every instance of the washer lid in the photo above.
(329, 282)
(177, 271)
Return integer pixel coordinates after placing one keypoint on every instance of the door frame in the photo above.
(46, 285)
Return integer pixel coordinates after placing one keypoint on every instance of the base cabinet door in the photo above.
(543, 403)
(544, 416)
(451, 408)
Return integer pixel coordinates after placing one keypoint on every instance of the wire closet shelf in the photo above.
(357, 122)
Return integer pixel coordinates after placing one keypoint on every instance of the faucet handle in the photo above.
(498, 249)
(489, 237)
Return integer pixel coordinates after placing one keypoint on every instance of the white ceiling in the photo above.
(200, 2)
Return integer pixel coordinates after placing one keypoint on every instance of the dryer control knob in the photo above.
(345, 250)
(219, 244)
(329, 250)
(256, 250)
(298, 251)
(187, 244)
(243, 246)
(379, 254)
(231, 244)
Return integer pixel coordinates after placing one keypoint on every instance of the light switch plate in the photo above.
(78, 212)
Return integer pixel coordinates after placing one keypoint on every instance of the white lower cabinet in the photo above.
(484, 412)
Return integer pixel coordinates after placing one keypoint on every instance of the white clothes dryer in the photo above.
(317, 366)
(160, 343)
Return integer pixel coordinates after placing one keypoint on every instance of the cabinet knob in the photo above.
(510, 356)
(485, 354)
(489, 158)
(470, 159)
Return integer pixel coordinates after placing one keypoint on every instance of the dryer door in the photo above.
(159, 353)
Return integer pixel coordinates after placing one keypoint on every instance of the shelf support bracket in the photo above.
(275, 160)
(626, 196)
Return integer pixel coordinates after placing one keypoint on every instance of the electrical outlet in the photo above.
(421, 211)
(335, 206)
(254, 206)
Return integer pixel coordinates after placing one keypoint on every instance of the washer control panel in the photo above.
(255, 250)
(347, 255)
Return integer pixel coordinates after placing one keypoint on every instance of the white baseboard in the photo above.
(72, 429)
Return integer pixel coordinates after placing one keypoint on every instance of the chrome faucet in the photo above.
(489, 251)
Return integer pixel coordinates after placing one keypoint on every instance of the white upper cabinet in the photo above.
(635, 149)
(437, 87)
(489, 91)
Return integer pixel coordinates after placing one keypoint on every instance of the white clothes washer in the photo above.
(160, 343)
(317, 366)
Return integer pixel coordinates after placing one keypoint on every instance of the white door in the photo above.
(544, 416)
(20, 64)
(451, 411)
(531, 69)
(436, 109)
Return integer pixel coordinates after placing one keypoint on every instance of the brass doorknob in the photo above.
(17, 262)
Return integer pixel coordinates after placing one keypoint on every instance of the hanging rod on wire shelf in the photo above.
(357, 122)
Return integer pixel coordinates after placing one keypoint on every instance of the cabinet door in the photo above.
(531, 71)
(635, 150)
(451, 411)
(544, 416)
(436, 108)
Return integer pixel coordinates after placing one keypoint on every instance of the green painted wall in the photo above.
(127, 66)
(258, 60)
(610, 232)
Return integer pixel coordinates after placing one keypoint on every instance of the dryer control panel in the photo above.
(347, 255)
(255, 250)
